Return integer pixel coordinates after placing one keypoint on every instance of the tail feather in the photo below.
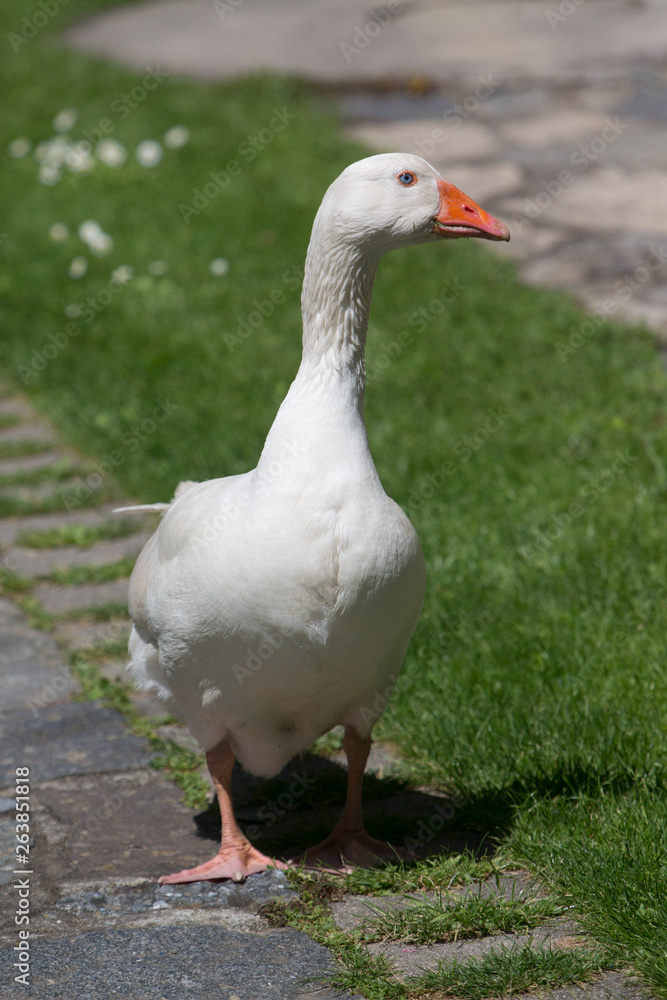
(158, 508)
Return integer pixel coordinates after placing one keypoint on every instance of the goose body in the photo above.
(271, 606)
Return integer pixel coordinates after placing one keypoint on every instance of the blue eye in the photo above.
(407, 178)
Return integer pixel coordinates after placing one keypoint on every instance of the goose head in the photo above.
(393, 200)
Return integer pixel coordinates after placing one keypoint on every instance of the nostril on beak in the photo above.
(467, 208)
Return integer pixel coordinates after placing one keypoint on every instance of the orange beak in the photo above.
(458, 216)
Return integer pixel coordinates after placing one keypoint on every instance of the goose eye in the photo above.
(407, 178)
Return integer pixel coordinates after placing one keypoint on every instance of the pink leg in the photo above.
(348, 844)
(237, 858)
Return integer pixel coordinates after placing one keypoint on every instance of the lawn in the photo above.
(534, 689)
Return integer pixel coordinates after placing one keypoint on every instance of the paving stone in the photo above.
(74, 738)
(553, 272)
(482, 183)
(40, 562)
(86, 634)
(608, 199)
(11, 527)
(432, 40)
(128, 824)
(16, 406)
(28, 463)
(32, 671)
(105, 901)
(470, 141)
(609, 986)
(33, 430)
(202, 962)
(353, 910)
(410, 960)
(566, 125)
(60, 600)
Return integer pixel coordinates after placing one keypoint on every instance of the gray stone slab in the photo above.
(15, 406)
(353, 910)
(33, 430)
(85, 634)
(28, 463)
(410, 960)
(206, 962)
(32, 671)
(125, 825)
(41, 562)
(104, 901)
(609, 986)
(60, 600)
(74, 738)
(11, 527)
(333, 41)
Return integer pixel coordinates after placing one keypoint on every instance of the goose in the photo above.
(271, 606)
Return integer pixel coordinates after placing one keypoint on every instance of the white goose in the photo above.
(271, 606)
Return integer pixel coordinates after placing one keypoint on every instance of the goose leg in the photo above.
(237, 858)
(348, 844)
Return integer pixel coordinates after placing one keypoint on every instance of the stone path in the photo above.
(104, 824)
(552, 115)
(554, 121)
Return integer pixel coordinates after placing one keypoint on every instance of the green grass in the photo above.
(23, 501)
(76, 534)
(534, 691)
(512, 971)
(19, 449)
(424, 921)
(94, 574)
(55, 473)
(504, 972)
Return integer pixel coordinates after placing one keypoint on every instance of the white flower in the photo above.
(121, 275)
(58, 149)
(49, 174)
(111, 152)
(97, 241)
(102, 245)
(78, 267)
(219, 267)
(42, 152)
(158, 267)
(89, 230)
(65, 119)
(176, 137)
(78, 158)
(148, 153)
(19, 147)
(72, 310)
(58, 232)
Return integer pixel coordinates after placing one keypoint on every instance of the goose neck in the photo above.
(335, 303)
